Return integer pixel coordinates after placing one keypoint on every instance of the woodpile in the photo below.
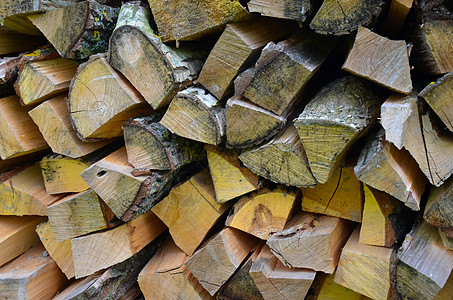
(226, 149)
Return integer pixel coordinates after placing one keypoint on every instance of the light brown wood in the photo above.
(14, 42)
(77, 287)
(327, 289)
(438, 211)
(396, 16)
(447, 241)
(297, 10)
(446, 292)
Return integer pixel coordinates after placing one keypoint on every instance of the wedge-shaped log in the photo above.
(335, 118)
(311, 241)
(45, 79)
(341, 196)
(14, 42)
(326, 288)
(365, 269)
(439, 210)
(214, 264)
(380, 60)
(196, 115)
(100, 250)
(19, 135)
(276, 281)
(263, 212)
(282, 160)
(165, 276)
(229, 177)
(134, 46)
(397, 13)
(82, 29)
(33, 275)
(100, 100)
(297, 10)
(190, 211)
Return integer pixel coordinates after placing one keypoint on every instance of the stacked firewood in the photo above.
(170, 149)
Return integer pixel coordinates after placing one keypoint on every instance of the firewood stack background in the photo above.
(226, 149)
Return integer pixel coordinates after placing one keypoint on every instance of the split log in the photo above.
(380, 60)
(439, 208)
(341, 196)
(33, 275)
(264, 212)
(239, 45)
(134, 46)
(339, 114)
(196, 115)
(100, 250)
(82, 29)
(52, 119)
(340, 17)
(214, 264)
(229, 177)
(398, 11)
(446, 292)
(447, 241)
(182, 20)
(42, 80)
(282, 160)
(423, 264)
(100, 100)
(19, 135)
(327, 288)
(311, 241)
(365, 269)
(297, 10)
(14, 42)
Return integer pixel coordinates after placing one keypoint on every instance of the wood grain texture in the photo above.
(297, 10)
(439, 208)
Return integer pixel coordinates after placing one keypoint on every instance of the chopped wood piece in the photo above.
(182, 20)
(297, 10)
(341, 196)
(165, 276)
(439, 210)
(439, 95)
(380, 60)
(326, 288)
(365, 269)
(339, 114)
(340, 17)
(239, 45)
(447, 241)
(423, 264)
(52, 119)
(19, 135)
(196, 115)
(214, 264)
(311, 241)
(17, 235)
(14, 42)
(446, 292)
(42, 80)
(396, 16)
(33, 275)
(263, 213)
(382, 166)
(100, 100)
(276, 281)
(282, 160)
(61, 252)
(190, 211)
(100, 250)
(78, 31)
(229, 177)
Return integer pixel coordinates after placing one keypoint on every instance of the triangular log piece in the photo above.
(380, 60)
(341, 196)
(19, 135)
(339, 114)
(311, 241)
(279, 282)
(297, 10)
(340, 17)
(423, 264)
(439, 209)
(365, 269)
(14, 42)
(17, 235)
(396, 15)
(196, 115)
(80, 30)
(382, 166)
(52, 119)
(42, 80)
(282, 160)
(216, 262)
(33, 275)
(138, 53)
(263, 212)
(101, 99)
(447, 241)
(166, 277)
(229, 177)
(326, 288)
(61, 252)
(182, 20)
(100, 250)
(239, 46)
